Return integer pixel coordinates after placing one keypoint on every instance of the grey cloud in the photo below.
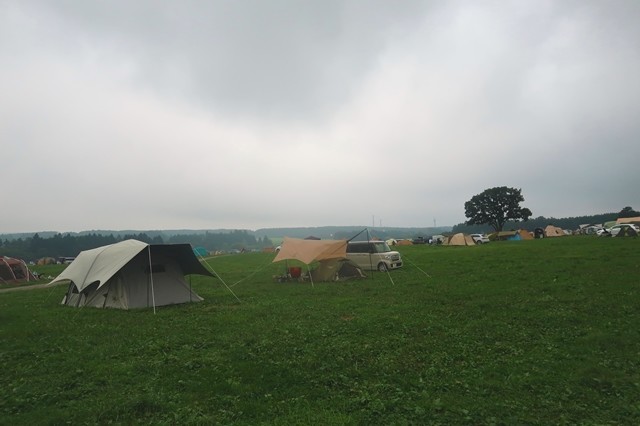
(264, 59)
(214, 114)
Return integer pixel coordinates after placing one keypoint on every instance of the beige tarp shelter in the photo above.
(553, 231)
(330, 254)
(131, 274)
(459, 239)
(307, 251)
(635, 220)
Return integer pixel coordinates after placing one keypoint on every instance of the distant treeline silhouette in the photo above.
(68, 245)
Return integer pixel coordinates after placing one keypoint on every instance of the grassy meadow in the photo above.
(530, 332)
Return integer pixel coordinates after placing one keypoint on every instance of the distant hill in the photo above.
(164, 234)
(324, 232)
(347, 232)
(334, 232)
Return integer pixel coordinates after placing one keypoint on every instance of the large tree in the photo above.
(628, 212)
(495, 206)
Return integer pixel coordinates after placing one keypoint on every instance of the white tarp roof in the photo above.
(102, 263)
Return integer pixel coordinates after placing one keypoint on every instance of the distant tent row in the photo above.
(14, 270)
(521, 234)
(131, 274)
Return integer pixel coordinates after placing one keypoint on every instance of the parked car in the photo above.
(480, 238)
(373, 255)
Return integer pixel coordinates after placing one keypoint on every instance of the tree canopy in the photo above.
(496, 206)
(628, 212)
(68, 245)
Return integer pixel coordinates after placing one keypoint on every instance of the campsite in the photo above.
(513, 332)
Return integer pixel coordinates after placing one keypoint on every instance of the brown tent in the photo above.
(14, 270)
(553, 231)
(460, 239)
(336, 270)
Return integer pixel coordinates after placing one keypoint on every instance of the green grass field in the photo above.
(531, 332)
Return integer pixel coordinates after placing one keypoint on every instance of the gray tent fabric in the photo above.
(627, 232)
(131, 274)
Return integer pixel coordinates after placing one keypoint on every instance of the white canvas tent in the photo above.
(131, 274)
(331, 256)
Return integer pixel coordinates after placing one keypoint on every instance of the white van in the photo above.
(372, 255)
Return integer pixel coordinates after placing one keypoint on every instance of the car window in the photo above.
(380, 247)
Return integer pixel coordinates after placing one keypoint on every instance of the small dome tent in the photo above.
(460, 239)
(553, 231)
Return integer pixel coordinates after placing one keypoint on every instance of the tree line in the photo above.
(67, 245)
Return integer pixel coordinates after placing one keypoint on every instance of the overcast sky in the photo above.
(153, 114)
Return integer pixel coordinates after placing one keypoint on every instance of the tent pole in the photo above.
(369, 245)
(106, 297)
(310, 276)
(153, 296)
(365, 229)
(26, 268)
(10, 270)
